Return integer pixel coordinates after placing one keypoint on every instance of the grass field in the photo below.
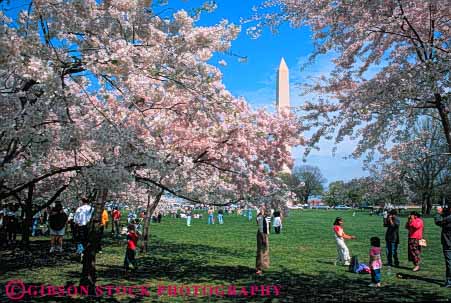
(302, 258)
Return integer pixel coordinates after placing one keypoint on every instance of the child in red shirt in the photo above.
(132, 243)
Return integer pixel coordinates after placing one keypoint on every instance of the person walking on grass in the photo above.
(12, 223)
(264, 223)
(103, 225)
(132, 244)
(340, 236)
(57, 224)
(249, 214)
(415, 227)
(443, 219)
(36, 218)
(211, 218)
(71, 223)
(116, 221)
(375, 262)
(220, 216)
(392, 223)
(81, 219)
(277, 221)
(189, 214)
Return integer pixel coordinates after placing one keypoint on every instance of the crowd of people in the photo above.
(415, 242)
(54, 221)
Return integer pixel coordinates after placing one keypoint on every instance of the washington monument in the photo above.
(283, 87)
(283, 94)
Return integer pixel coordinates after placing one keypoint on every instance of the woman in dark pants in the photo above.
(443, 219)
(264, 223)
(392, 238)
(415, 227)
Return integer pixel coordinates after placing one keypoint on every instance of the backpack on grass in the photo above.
(354, 266)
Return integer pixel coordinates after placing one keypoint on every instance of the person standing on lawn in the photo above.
(116, 221)
(264, 223)
(57, 224)
(81, 219)
(375, 262)
(277, 221)
(443, 219)
(392, 223)
(103, 224)
(220, 216)
(415, 227)
(340, 236)
(132, 244)
(189, 214)
(211, 218)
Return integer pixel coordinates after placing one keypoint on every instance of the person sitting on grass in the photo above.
(130, 253)
(340, 236)
(375, 262)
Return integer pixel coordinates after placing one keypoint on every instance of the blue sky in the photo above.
(256, 78)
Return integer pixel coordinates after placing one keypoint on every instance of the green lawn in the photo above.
(207, 255)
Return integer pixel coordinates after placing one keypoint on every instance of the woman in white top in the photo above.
(340, 236)
(277, 221)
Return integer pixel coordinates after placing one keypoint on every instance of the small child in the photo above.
(130, 254)
(375, 262)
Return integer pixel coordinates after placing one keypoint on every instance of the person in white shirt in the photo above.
(82, 217)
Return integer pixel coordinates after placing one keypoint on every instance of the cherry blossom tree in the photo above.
(106, 94)
(391, 65)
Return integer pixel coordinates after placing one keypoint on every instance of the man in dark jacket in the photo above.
(392, 237)
(443, 219)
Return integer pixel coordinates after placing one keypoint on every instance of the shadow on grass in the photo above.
(37, 256)
(179, 264)
(418, 278)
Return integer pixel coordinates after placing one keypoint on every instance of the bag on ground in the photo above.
(354, 266)
(363, 269)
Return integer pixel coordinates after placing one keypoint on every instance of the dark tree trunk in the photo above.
(88, 274)
(428, 205)
(28, 221)
(149, 211)
(444, 118)
(423, 203)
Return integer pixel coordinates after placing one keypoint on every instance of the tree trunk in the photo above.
(88, 274)
(149, 211)
(423, 203)
(443, 112)
(428, 205)
(28, 221)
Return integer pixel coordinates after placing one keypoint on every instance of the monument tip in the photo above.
(283, 64)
